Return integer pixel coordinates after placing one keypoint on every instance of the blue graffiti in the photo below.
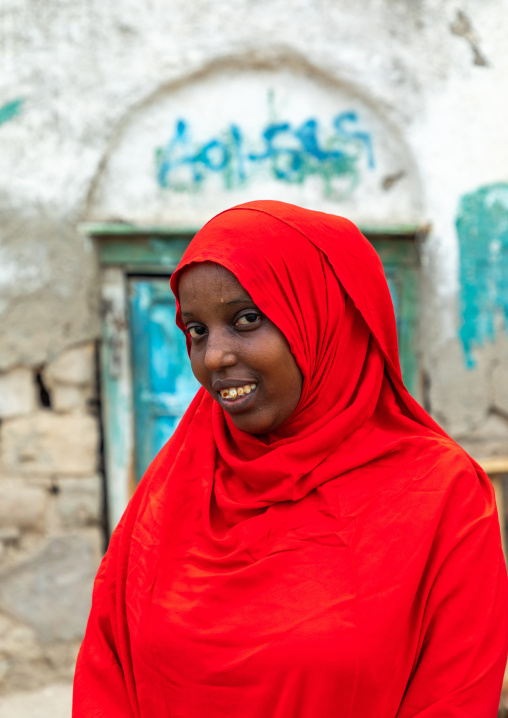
(482, 227)
(292, 154)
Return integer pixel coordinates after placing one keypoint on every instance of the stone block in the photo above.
(80, 501)
(22, 507)
(21, 657)
(26, 665)
(65, 397)
(75, 367)
(46, 443)
(62, 657)
(17, 393)
(51, 590)
(18, 639)
(20, 652)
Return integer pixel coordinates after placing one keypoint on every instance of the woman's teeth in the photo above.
(236, 392)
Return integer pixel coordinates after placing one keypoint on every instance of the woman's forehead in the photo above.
(210, 282)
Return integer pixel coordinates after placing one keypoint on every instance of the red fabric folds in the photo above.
(347, 565)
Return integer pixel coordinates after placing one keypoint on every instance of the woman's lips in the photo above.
(236, 399)
(236, 391)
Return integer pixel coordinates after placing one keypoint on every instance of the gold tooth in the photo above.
(247, 389)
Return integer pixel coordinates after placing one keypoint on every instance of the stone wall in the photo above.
(50, 513)
(85, 86)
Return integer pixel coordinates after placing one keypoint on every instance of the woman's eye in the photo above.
(195, 332)
(246, 319)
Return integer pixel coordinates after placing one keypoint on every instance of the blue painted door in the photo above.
(163, 381)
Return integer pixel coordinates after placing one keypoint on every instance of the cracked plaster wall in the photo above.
(76, 71)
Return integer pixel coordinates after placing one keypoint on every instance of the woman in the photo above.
(309, 543)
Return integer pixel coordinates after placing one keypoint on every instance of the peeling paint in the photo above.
(10, 110)
(482, 227)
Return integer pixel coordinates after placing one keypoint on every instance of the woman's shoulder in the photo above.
(443, 477)
(428, 470)
(441, 461)
(431, 458)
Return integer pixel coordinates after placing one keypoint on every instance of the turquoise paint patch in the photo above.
(482, 227)
(10, 110)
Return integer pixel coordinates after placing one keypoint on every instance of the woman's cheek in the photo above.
(198, 368)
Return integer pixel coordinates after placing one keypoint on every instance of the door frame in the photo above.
(125, 250)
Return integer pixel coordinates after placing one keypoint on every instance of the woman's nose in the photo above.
(219, 352)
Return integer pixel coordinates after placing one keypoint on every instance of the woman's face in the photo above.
(237, 353)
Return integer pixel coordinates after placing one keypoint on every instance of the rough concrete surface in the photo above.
(53, 701)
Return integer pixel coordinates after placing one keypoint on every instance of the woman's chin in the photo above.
(252, 423)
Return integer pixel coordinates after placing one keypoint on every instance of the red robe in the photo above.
(348, 565)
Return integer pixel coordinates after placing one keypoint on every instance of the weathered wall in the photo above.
(291, 133)
(50, 515)
(85, 90)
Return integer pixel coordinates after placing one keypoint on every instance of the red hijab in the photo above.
(349, 564)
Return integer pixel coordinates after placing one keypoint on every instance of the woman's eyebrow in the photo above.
(243, 300)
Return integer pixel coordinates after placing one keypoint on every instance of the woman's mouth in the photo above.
(236, 399)
(234, 393)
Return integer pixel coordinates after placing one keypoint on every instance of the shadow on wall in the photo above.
(482, 226)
